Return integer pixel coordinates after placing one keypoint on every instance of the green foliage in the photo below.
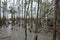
(13, 11)
(40, 1)
(46, 8)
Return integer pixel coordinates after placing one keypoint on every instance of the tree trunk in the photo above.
(36, 28)
(19, 13)
(12, 18)
(31, 13)
(4, 8)
(36, 37)
(56, 14)
(25, 21)
(22, 14)
(0, 13)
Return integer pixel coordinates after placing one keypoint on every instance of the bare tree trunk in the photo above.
(12, 19)
(36, 37)
(13, 14)
(22, 13)
(31, 13)
(19, 13)
(0, 14)
(19, 16)
(36, 28)
(0, 9)
(25, 21)
(56, 13)
(40, 16)
(6, 15)
(4, 11)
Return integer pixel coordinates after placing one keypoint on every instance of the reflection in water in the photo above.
(19, 34)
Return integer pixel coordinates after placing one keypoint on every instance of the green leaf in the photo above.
(12, 11)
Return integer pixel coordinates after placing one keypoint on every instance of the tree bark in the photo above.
(31, 13)
(56, 14)
(0, 9)
(25, 21)
(36, 28)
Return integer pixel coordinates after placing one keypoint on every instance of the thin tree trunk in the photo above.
(36, 29)
(19, 13)
(0, 13)
(6, 15)
(12, 18)
(31, 13)
(25, 21)
(0, 9)
(22, 13)
(4, 11)
(28, 12)
(36, 37)
(40, 17)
